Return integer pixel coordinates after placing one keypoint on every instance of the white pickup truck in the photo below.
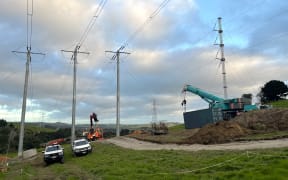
(53, 153)
(81, 146)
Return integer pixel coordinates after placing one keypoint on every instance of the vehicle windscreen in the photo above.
(52, 148)
(80, 143)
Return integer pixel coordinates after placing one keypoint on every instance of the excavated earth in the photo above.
(224, 134)
(254, 122)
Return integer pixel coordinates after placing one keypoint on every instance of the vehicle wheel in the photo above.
(62, 160)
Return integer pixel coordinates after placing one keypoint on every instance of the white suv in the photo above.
(53, 153)
(81, 146)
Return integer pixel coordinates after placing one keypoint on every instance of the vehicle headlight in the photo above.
(46, 155)
(60, 153)
(89, 147)
(76, 150)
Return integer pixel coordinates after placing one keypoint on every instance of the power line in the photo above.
(147, 21)
(92, 22)
(117, 57)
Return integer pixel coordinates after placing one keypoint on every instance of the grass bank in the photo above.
(108, 161)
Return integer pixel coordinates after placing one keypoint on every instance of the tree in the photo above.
(3, 123)
(273, 90)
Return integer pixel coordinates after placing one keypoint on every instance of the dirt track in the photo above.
(132, 143)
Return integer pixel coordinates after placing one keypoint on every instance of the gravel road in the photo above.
(135, 144)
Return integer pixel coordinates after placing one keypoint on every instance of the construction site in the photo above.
(218, 112)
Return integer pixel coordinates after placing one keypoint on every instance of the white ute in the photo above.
(81, 146)
(53, 153)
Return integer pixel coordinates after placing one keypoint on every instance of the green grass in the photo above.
(279, 104)
(108, 161)
(177, 127)
(266, 136)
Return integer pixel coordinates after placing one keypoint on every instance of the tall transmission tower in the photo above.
(222, 58)
(117, 56)
(154, 115)
(28, 53)
(74, 59)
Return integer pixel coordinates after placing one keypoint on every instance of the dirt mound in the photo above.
(264, 120)
(260, 121)
(220, 132)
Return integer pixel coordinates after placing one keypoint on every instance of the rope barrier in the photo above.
(248, 154)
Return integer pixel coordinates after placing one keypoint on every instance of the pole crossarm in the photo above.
(77, 52)
(25, 52)
(120, 52)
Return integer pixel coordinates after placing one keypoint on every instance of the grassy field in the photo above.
(110, 162)
(280, 104)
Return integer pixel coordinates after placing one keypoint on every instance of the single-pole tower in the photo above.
(28, 53)
(117, 56)
(74, 59)
(23, 113)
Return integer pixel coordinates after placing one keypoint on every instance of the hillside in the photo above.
(108, 161)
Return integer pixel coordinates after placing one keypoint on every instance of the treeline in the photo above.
(35, 138)
(9, 137)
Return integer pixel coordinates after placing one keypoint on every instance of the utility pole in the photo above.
(74, 58)
(117, 56)
(28, 61)
(222, 59)
(23, 113)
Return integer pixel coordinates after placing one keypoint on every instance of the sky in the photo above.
(173, 48)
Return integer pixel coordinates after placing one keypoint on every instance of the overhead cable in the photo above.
(92, 22)
(148, 20)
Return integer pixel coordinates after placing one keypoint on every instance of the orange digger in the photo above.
(94, 133)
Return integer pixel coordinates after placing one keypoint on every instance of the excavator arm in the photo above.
(93, 116)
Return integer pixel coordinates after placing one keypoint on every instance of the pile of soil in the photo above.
(264, 120)
(260, 121)
(220, 132)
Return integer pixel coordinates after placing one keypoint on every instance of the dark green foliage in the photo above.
(8, 139)
(124, 132)
(273, 90)
(3, 123)
(33, 138)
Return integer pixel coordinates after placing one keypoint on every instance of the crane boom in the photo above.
(210, 98)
